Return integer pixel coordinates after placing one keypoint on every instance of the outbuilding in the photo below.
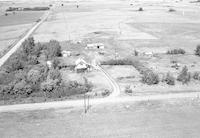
(95, 46)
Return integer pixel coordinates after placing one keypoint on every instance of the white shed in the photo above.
(95, 46)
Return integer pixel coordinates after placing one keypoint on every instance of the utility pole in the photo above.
(85, 108)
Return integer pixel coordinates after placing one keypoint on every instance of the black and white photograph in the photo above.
(99, 68)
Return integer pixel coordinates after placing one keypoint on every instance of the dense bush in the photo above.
(55, 63)
(28, 46)
(128, 89)
(172, 10)
(106, 92)
(36, 9)
(150, 78)
(27, 9)
(136, 53)
(54, 74)
(176, 51)
(22, 89)
(53, 49)
(37, 49)
(15, 62)
(6, 78)
(196, 76)
(170, 80)
(197, 51)
(184, 76)
(49, 86)
(117, 62)
(140, 9)
(33, 76)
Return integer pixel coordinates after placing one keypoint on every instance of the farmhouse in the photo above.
(81, 65)
(95, 46)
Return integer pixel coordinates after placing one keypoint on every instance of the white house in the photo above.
(81, 65)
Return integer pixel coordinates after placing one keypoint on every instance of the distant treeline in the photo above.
(28, 9)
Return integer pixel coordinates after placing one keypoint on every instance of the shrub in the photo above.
(136, 53)
(49, 86)
(33, 76)
(172, 10)
(176, 51)
(5, 92)
(197, 51)
(32, 60)
(20, 75)
(15, 62)
(128, 89)
(106, 92)
(37, 49)
(73, 87)
(117, 62)
(55, 63)
(22, 89)
(150, 78)
(53, 49)
(6, 78)
(54, 74)
(140, 9)
(196, 76)
(88, 85)
(184, 76)
(28, 46)
(170, 80)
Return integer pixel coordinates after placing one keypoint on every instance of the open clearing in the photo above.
(166, 119)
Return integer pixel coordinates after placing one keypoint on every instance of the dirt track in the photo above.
(80, 103)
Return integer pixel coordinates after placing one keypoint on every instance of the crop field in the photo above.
(15, 24)
(124, 26)
(20, 18)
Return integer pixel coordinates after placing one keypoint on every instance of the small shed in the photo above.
(49, 64)
(95, 46)
(149, 54)
(66, 53)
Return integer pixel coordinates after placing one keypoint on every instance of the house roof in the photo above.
(80, 61)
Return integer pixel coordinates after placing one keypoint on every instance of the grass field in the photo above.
(166, 119)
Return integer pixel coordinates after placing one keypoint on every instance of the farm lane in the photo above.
(116, 88)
